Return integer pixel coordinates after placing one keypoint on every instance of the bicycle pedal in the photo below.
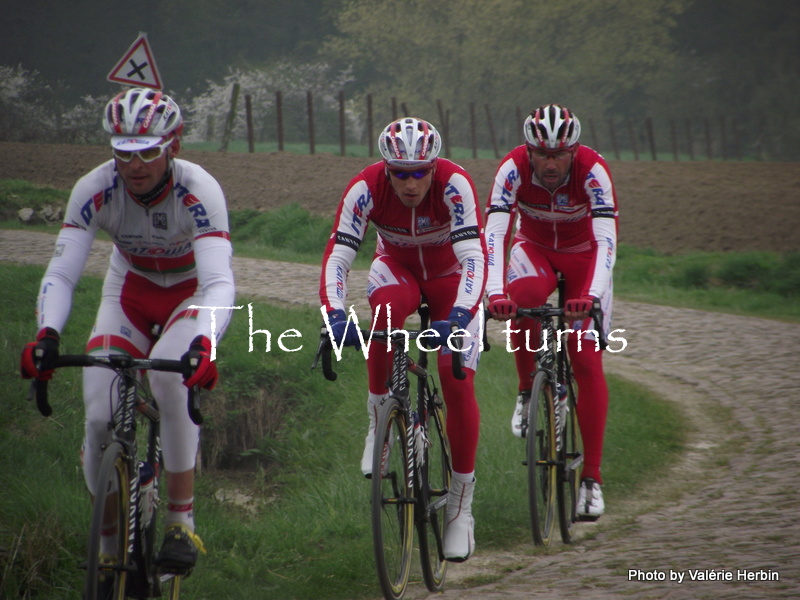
(587, 518)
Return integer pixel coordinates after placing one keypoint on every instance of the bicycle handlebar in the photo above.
(116, 362)
(547, 311)
(325, 347)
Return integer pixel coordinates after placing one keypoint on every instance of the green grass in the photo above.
(763, 284)
(290, 439)
(309, 536)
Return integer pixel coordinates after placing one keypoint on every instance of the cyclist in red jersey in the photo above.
(168, 220)
(429, 245)
(563, 198)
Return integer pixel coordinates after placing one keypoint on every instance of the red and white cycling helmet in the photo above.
(409, 144)
(140, 118)
(552, 127)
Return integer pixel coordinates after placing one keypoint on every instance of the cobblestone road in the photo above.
(730, 514)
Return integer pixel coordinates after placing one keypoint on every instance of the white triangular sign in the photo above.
(137, 67)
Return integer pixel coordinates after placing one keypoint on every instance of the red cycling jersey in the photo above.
(439, 237)
(578, 217)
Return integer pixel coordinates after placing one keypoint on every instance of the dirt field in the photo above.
(669, 206)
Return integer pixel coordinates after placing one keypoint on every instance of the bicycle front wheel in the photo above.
(541, 449)
(171, 584)
(435, 477)
(392, 501)
(570, 459)
(107, 574)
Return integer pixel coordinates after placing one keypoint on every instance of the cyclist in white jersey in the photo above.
(168, 221)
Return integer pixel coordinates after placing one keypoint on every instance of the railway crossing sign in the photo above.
(137, 67)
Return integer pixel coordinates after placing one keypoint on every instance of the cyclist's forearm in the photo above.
(63, 272)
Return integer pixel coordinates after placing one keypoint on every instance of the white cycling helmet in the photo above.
(140, 118)
(409, 144)
(552, 127)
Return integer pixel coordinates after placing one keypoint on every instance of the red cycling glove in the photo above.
(43, 352)
(198, 361)
(502, 308)
(578, 308)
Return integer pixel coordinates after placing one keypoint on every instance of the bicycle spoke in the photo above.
(107, 574)
(435, 481)
(570, 464)
(392, 503)
(541, 460)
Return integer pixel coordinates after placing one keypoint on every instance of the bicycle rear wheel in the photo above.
(570, 458)
(106, 576)
(392, 501)
(541, 459)
(435, 474)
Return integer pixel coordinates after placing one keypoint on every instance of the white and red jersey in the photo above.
(180, 235)
(578, 217)
(439, 237)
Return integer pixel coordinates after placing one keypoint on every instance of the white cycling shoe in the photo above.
(590, 500)
(369, 441)
(459, 532)
(520, 410)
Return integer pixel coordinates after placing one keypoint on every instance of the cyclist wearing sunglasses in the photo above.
(168, 220)
(430, 245)
(564, 197)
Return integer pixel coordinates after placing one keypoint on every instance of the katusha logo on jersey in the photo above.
(197, 210)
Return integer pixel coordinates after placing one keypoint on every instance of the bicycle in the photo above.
(554, 450)
(130, 454)
(412, 456)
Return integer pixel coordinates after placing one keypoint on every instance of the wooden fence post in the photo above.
(674, 135)
(723, 137)
(342, 143)
(370, 127)
(737, 142)
(405, 110)
(226, 134)
(248, 109)
(491, 131)
(594, 135)
(445, 129)
(210, 128)
(613, 134)
(279, 117)
(634, 145)
(473, 129)
(310, 108)
(690, 138)
(651, 137)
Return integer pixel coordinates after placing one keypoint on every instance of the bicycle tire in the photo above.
(151, 532)
(392, 501)
(541, 462)
(172, 584)
(112, 476)
(147, 583)
(570, 459)
(434, 478)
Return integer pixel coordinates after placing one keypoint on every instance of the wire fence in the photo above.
(473, 130)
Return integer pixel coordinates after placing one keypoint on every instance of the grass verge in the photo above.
(303, 530)
(762, 284)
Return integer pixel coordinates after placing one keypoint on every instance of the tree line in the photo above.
(619, 60)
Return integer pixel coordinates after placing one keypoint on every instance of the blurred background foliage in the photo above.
(618, 59)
